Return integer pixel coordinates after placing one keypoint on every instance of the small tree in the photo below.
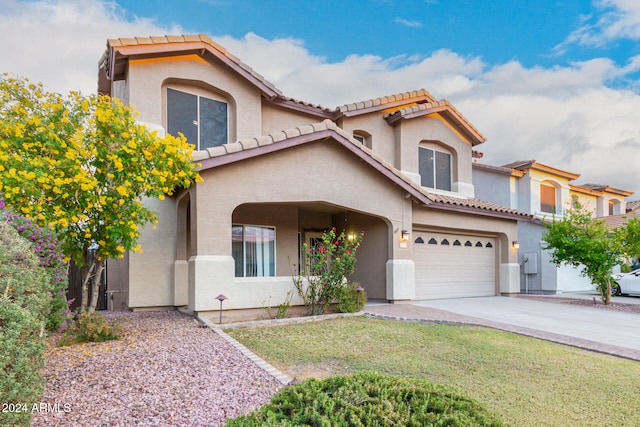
(579, 240)
(631, 237)
(81, 166)
(328, 265)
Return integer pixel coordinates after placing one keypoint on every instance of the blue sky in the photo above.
(531, 32)
(557, 81)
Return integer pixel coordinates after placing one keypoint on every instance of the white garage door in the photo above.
(454, 266)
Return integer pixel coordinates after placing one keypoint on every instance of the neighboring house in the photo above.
(633, 206)
(277, 172)
(544, 192)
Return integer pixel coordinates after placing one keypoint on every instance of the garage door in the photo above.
(454, 266)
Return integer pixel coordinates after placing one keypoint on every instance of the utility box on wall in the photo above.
(530, 261)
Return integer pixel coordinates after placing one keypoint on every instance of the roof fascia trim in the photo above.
(196, 47)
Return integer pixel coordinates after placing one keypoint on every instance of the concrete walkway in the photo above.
(605, 331)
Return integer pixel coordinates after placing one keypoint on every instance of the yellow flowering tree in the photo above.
(81, 165)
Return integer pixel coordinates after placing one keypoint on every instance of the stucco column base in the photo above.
(401, 280)
(509, 278)
(180, 283)
(209, 276)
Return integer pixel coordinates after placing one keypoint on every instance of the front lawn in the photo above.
(528, 382)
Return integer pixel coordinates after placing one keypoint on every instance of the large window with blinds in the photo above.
(254, 250)
(203, 121)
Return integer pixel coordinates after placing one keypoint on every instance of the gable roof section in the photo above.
(524, 165)
(385, 102)
(497, 169)
(607, 189)
(633, 205)
(444, 109)
(113, 64)
(248, 148)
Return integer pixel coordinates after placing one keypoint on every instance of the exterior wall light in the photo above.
(515, 244)
(221, 298)
(404, 238)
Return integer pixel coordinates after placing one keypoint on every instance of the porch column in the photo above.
(509, 278)
(209, 276)
(401, 280)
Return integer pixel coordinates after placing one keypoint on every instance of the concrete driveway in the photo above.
(604, 327)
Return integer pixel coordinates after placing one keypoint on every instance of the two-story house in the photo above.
(544, 192)
(278, 171)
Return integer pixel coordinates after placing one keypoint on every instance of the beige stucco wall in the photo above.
(275, 119)
(433, 131)
(330, 175)
(318, 171)
(151, 271)
(147, 80)
(383, 140)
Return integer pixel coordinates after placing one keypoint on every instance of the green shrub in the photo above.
(24, 306)
(89, 328)
(368, 399)
(48, 248)
(348, 300)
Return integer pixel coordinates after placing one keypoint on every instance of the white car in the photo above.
(628, 283)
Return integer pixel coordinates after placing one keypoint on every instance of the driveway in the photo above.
(607, 327)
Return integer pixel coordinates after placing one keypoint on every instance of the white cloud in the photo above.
(60, 43)
(620, 19)
(407, 23)
(566, 117)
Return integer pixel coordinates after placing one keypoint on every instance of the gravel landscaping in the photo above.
(165, 370)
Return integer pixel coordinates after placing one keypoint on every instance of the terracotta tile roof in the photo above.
(305, 107)
(523, 165)
(228, 153)
(605, 188)
(617, 221)
(113, 61)
(498, 169)
(633, 205)
(476, 204)
(385, 102)
(444, 108)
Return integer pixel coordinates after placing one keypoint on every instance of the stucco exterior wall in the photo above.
(433, 130)
(147, 80)
(383, 138)
(275, 119)
(494, 187)
(151, 271)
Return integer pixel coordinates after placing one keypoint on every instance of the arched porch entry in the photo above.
(267, 241)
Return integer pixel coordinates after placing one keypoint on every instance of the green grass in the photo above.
(528, 382)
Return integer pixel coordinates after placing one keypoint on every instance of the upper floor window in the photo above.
(203, 121)
(363, 137)
(548, 198)
(434, 169)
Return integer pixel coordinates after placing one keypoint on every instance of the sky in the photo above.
(556, 81)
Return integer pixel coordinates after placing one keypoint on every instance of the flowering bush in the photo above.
(24, 304)
(49, 251)
(328, 264)
(81, 166)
